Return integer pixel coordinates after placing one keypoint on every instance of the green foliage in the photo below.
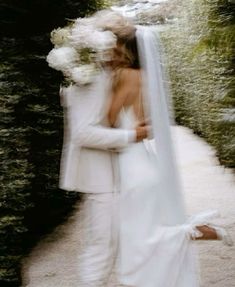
(200, 49)
(31, 127)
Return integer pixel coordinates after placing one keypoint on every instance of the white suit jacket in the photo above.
(88, 161)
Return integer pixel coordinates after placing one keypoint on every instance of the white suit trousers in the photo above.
(100, 239)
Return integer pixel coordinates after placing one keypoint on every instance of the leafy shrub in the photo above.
(200, 50)
(31, 127)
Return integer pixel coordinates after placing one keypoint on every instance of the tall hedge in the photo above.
(201, 56)
(31, 127)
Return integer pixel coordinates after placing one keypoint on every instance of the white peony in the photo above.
(88, 37)
(60, 36)
(63, 58)
(103, 40)
(81, 48)
(84, 74)
(81, 36)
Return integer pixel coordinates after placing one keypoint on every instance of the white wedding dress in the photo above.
(151, 253)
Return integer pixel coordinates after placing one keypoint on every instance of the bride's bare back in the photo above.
(126, 92)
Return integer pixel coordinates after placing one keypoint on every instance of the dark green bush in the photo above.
(31, 127)
(200, 48)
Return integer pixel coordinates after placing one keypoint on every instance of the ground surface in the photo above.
(206, 186)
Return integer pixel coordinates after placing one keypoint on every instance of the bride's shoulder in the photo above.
(127, 76)
(129, 72)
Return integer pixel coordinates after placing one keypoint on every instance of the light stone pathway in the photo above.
(206, 185)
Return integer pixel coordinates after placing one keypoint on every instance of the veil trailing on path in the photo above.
(158, 107)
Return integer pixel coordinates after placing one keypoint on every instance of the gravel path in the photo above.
(206, 185)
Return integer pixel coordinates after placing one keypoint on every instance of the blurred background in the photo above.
(199, 40)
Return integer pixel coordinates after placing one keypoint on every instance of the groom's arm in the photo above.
(99, 137)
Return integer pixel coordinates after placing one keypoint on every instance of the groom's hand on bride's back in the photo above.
(142, 132)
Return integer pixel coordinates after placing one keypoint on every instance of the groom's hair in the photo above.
(125, 32)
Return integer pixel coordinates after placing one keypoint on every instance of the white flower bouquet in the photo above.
(80, 49)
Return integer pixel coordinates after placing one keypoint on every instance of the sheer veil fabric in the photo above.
(156, 97)
(154, 239)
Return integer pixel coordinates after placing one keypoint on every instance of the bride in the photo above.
(155, 238)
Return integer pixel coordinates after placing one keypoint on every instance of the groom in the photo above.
(89, 165)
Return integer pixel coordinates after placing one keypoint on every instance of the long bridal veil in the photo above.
(155, 235)
(157, 104)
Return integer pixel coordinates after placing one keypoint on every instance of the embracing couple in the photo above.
(133, 214)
